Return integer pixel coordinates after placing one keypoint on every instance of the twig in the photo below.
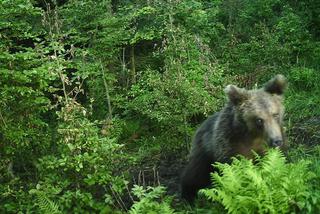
(129, 193)
(118, 199)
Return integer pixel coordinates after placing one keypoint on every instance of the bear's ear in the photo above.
(236, 95)
(276, 85)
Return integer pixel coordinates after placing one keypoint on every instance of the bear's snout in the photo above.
(276, 142)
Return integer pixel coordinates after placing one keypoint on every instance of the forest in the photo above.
(100, 100)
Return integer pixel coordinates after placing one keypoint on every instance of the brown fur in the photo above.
(250, 122)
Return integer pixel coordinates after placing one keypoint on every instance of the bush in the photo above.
(151, 200)
(304, 78)
(81, 174)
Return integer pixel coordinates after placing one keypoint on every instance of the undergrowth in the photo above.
(151, 200)
(269, 186)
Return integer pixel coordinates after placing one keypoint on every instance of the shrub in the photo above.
(151, 200)
(81, 174)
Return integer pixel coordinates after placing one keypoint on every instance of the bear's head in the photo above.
(261, 110)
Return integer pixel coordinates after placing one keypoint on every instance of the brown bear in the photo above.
(250, 121)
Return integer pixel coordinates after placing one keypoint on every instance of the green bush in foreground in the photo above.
(151, 200)
(268, 186)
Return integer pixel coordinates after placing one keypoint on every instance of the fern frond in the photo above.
(270, 186)
(46, 205)
(274, 160)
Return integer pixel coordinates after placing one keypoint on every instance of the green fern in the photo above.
(46, 205)
(151, 201)
(269, 186)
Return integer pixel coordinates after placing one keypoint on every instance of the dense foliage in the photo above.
(95, 93)
(268, 186)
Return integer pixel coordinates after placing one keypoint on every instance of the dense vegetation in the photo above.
(99, 100)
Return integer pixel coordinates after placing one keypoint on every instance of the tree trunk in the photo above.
(107, 91)
(133, 66)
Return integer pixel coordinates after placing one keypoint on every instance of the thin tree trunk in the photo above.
(125, 78)
(186, 137)
(133, 66)
(107, 90)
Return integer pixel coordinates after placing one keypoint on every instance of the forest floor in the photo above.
(165, 171)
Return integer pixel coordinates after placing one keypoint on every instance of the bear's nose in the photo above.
(276, 143)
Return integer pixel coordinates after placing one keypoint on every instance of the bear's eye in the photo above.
(259, 122)
(276, 116)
